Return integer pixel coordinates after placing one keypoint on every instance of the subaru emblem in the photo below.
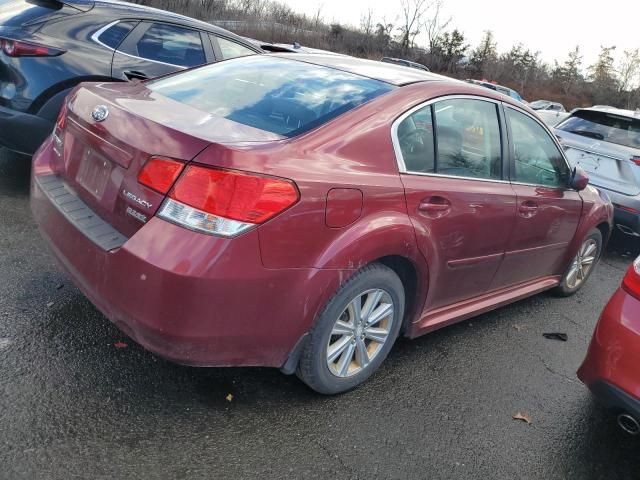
(100, 113)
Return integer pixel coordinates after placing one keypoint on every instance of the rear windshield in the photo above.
(604, 126)
(279, 95)
(15, 13)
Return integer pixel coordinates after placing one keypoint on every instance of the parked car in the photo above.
(48, 47)
(541, 105)
(307, 210)
(294, 47)
(510, 92)
(605, 142)
(405, 63)
(610, 369)
(551, 118)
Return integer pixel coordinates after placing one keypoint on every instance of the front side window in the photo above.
(538, 160)
(173, 45)
(232, 49)
(275, 94)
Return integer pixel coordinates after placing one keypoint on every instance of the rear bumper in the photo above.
(189, 297)
(626, 212)
(615, 399)
(610, 369)
(625, 221)
(22, 132)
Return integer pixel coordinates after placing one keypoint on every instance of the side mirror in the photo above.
(579, 179)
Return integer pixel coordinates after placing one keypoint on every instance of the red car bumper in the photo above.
(611, 368)
(189, 297)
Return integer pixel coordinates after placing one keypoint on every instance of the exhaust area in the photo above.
(629, 424)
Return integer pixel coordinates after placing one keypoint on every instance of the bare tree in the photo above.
(434, 24)
(629, 75)
(412, 13)
(317, 18)
(367, 24)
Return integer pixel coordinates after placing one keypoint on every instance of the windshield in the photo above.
(279, 95)
(515, 95)
(604, 126)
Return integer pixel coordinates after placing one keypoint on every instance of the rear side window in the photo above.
(537, 158)
(415, 137)
(467, 139)
(173, 45)
(114, 35)
(232, 49)
(14, 13)
(275, 94)
(604, 126)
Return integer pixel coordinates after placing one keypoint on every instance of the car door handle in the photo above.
(435, 205)
(528, 209)
(135, 75)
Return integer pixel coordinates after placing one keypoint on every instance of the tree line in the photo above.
(446, 51)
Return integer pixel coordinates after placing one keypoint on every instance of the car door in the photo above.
(548, 210)
(463, 209)
(155, 49)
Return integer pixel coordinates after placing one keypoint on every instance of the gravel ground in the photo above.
(72, 405)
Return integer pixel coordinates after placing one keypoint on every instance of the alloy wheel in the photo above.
(582, 263)
(360, 332)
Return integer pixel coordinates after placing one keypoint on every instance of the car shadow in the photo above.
(15, 171)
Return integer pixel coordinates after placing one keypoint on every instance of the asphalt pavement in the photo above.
(74, 405)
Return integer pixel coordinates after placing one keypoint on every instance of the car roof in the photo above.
(616, 111)
(385, 72)
(149, 13)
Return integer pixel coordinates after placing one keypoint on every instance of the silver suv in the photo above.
(605, 142)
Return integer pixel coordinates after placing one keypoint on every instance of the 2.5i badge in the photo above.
(137, 215)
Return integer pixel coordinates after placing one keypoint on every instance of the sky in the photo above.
(552, 27)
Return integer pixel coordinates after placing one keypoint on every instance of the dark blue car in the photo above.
(49, 46)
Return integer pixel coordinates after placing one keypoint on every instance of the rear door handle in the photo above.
(435, 205)
(135, 75)
(528, 209)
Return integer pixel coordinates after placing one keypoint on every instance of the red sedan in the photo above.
(302, 211)
(611, 367)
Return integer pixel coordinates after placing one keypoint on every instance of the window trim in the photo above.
(402, 168)
(96, 36)
(554, 140)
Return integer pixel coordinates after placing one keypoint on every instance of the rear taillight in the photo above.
(631, 281)
(226, 202)
(160, 173)
(58, 130)
(16, 48)
(636, 159)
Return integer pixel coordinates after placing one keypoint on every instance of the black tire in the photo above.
(563, 289)
(313, 368)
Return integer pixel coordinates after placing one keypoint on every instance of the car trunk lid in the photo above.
(111, 130)
(608, 165)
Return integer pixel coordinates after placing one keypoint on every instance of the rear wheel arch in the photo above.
(49, 102)
(605, 230)
(410, 278)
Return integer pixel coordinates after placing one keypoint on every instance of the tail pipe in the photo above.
(629, 423)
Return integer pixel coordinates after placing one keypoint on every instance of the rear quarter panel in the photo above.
(596, 212)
